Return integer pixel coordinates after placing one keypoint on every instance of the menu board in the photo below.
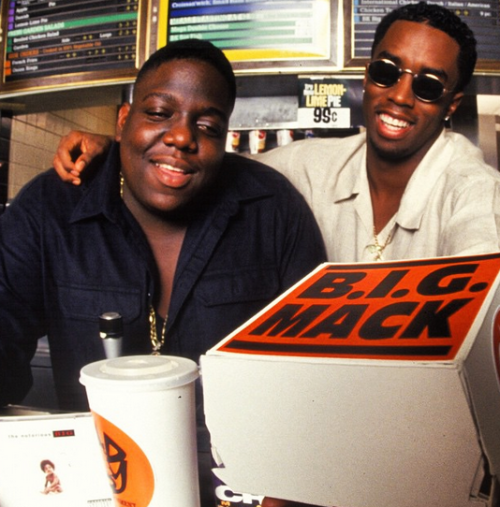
(253, 30)
(62, 38)
(482, 16)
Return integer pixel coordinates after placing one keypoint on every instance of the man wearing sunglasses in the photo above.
(406, 188)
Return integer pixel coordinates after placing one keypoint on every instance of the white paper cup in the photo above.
(284, 137)
(233, 141)
(144, 413)
(257, 141)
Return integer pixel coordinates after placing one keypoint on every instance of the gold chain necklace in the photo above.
(377, 248)
(156, 343)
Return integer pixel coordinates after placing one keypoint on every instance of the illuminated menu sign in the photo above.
(253, 30)
(481, 16)
(61, 37)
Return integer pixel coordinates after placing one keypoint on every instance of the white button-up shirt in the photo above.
(451, 205)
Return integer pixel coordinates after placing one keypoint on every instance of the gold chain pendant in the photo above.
(156, 343)
(377, 248)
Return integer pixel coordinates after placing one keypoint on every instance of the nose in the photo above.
(402, 93)
(180, 134)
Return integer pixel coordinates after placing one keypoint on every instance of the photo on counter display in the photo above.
(52, 484)
(52, 461)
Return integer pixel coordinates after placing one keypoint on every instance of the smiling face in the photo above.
(48, 469)
(172, 137)
(399, 126)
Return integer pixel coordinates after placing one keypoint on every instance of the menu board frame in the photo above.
(287, 64)
(351, 62)
(66, 81)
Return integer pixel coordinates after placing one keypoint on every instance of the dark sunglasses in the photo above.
(426, 87)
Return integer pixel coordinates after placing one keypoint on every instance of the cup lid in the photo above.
(140, 373)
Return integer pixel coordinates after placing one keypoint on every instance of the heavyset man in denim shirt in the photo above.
(205, 237)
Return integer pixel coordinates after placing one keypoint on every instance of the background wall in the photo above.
(34, 138)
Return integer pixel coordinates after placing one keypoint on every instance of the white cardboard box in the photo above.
(365, 385)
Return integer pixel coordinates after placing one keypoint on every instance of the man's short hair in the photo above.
(444, 20)
(192, 49)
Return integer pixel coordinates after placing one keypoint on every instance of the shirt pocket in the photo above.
(245, 286)
(88, 302)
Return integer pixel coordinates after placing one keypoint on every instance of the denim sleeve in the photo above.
(21, 296)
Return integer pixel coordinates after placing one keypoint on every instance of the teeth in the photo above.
(169, 167)
(393, 122)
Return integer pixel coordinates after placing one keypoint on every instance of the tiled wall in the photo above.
(35, 137)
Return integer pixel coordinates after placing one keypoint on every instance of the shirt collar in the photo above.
(101, 192)
(241, 178)
(352, 180)
(353, 173)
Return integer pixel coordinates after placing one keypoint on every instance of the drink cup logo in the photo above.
(117, 464)
(129, 469)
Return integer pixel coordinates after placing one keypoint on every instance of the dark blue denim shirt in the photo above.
(68, 254)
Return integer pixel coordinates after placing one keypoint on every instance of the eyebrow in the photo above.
(207, 111)
(425, 70)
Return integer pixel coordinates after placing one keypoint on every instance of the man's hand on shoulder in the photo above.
(76, 151)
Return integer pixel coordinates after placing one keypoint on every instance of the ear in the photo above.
(455, 102)
(122, 118)
(365, 77)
